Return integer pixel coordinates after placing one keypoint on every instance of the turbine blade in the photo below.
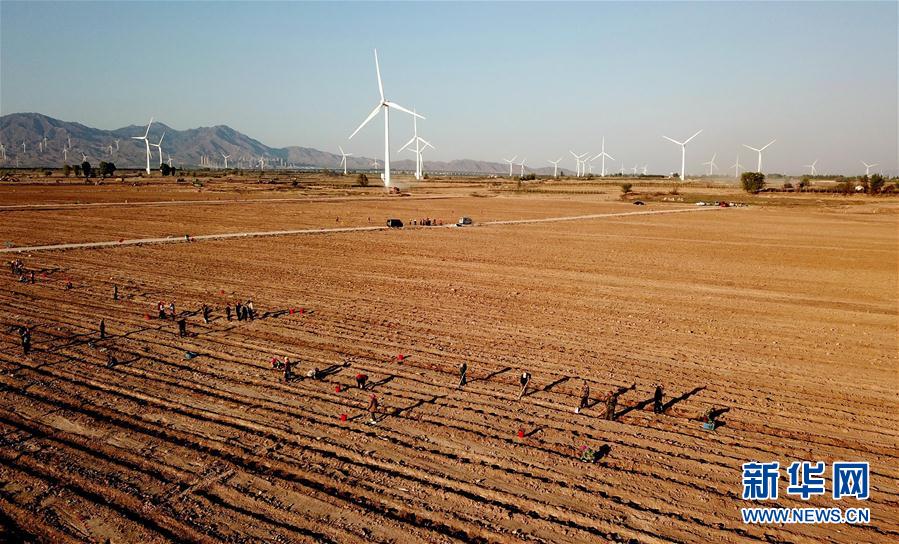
(367, 119)
(752, 148)
(397, 106)
(407, 144)
(378, 70)
(670, 140)
(341, 150)
(693, 136)
(148, 128)
(769, 143)
(427, 143)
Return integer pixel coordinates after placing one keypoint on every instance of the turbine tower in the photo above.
(146, 141)
(343, 161)
(683, 153)
(226, 157)
(511, 161)
(555, 164)
(418, 147)
(384, 105)
(736, 166)
(711, 164)
(521, 173)
(578, 159)
(811, 167)
(759, 151)
(868, 167)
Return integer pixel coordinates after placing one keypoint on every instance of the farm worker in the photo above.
(172, 308)
(25, 333)
(463, 368)
(111, 360)
(238, 307)
(206, 314)
(32, 276)
(182, 328)
(657, 405)
(313, 373)
(228, 312)
(585, 398)
(288, 370)
(524, 380)
(611, 403)
(161, 308)
(372, 409)
(115, 292)
(251, 311)
(360, 381)
(102, 329)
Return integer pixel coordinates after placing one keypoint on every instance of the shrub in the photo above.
(626, 188)
(875, 185)
(752, 182)
(66, 170)
(528, 177)
(362, 179)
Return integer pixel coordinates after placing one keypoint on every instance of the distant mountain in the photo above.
(50, 142)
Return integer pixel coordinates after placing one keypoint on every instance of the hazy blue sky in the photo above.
(494, 79)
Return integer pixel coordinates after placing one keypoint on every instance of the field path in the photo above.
(176, 239)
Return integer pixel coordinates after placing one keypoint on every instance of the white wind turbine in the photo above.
(711, 164)
(603, 155)
(736, 166)
(555, 164)
(418, 146)
(645, 166)
(146, 141)
(343, 155)
(811, 167)
(159, 147)
(683, 154)
(521, 164)
(511, 162)
(635, 169)
(578, 160)
(116, 145)
(226, 157)
(386, 105)
(109, 149)
(83, 157)
(759, 151)
(868, 167)
(65, 154)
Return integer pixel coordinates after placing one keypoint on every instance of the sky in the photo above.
(493, 79)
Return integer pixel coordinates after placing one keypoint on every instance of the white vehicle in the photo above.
(463, 221)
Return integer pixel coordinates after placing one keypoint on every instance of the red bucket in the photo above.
(520, 433)
(342, 417)
(337, 388)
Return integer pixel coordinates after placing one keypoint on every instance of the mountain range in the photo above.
(50, 142)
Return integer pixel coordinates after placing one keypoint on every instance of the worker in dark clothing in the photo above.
(115, 292)
(228, 312)
(611, 404)
(102, 329)
(172, 309)
(288, 369)
(251, 311)
(238, 307)
(585, 398)
(160, 307)
(25, 333)
(111, 360)
(524, 380)
(32, 276)
(205, 314)
(361, 379)
(463, 379)
(657, 405)
(182, 328)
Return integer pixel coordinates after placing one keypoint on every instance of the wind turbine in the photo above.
(868, 167)
(343, 160)
(146, 141)
(736, 166)
(109, 149)
(578, 159)
(226, 157)
(386, 105)
(811, 166)
(603, 154)
(555, 164)
(511, 161)
(521, 164)
(65, 154)
(418, 147)
(23, 146)
(116, 145)
(83, 157)
(760, 152)
(159, 147)
(712, 164)
(683, 153)
(635, 169)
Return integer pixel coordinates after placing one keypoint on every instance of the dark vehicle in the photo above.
(639, 203)
(394, 223)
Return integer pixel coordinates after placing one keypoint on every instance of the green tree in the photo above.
(362, 179)
(66, 170)
(875, 185)
(166, 169)
(86, 170)
(626, 188)
(752, 182)
(77, 169)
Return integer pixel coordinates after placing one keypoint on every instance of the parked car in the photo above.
(639, 203)
(463, 221)
(394, 223)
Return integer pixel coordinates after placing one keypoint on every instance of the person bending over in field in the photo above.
(206, 314)
(611, 405)
(524, 380)
(361, 380)
(657, 405)
(288, 370)
(182, 328)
